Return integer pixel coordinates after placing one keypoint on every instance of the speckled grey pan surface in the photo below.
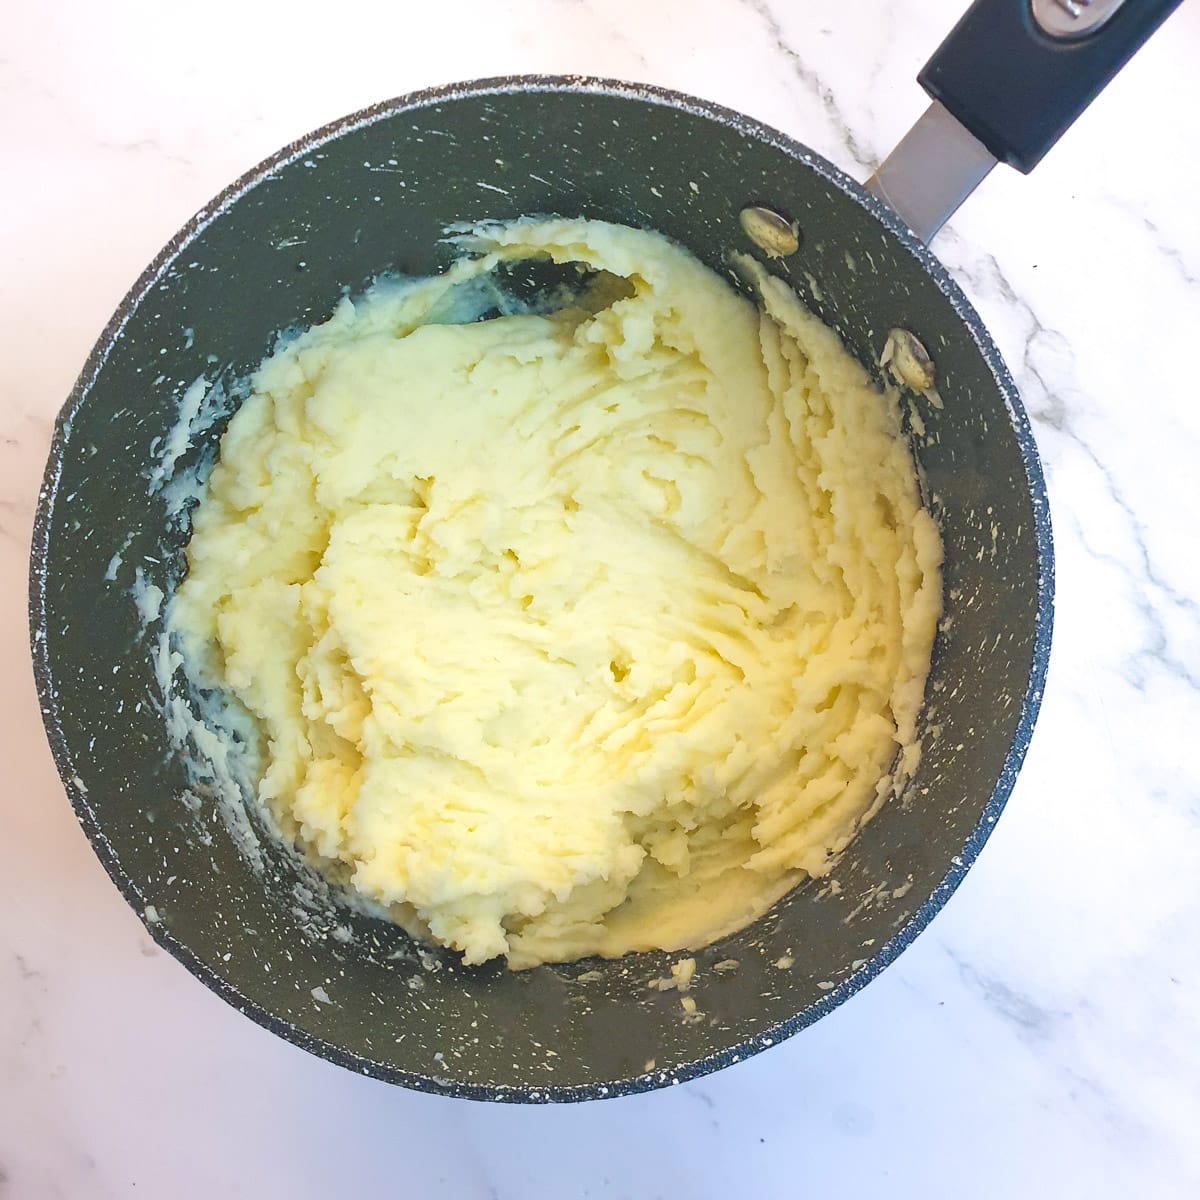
(372, 193)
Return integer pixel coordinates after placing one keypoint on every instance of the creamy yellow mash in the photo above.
(569, 634)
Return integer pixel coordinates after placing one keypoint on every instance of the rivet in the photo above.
(908, 360)
(770, 231)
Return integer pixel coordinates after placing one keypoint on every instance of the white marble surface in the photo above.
(1043, 1037)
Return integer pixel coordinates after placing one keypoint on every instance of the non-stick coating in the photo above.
(373, 193)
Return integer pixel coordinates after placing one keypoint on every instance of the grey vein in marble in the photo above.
(851, 142)
(1048, 408)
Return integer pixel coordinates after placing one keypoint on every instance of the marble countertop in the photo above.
(1042, 1038)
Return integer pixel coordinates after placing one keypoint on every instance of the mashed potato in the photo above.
(575, 632)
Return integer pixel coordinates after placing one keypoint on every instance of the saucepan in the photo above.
(374, 193)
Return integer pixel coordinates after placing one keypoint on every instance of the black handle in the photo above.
(1018, 89)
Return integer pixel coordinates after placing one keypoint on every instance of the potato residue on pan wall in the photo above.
(586, 628)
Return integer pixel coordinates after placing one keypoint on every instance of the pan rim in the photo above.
(414, 102)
